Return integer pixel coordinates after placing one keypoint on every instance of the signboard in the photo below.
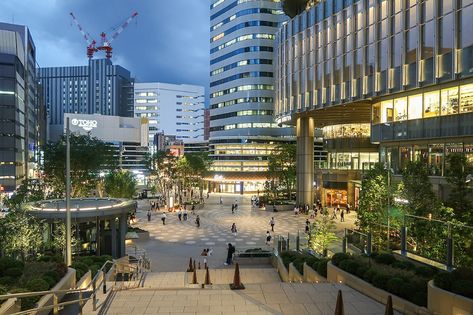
(85, 124)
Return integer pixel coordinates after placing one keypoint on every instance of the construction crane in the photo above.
(105, 42)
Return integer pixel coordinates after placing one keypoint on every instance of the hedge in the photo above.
(459, 281)
(298, 259)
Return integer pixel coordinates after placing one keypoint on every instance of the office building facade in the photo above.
(172, 109)
(388, 81)
(242, 128)
(20, 114)
(98, 88)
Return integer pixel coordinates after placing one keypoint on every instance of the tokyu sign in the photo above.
(85, 124)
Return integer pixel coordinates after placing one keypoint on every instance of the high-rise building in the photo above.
(19, 107)
(388, 81)
(98, 88)
(242, 128)
(173, 109)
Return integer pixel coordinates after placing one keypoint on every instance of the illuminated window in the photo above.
(415, 107)
(449, 101)
(140, 101)
(466, 98)
(431, 104)
(386, 111)
(400, 109)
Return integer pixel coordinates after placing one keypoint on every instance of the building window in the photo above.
(466, 98)
(415, 107)
(449, 98)
(431, 104)
(400, 109)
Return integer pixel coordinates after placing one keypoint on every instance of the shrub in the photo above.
(37, 284)
(369, 275)
(311, 261)
(322, 268)
(94, 269)
(463, 273)
(349, 265)
(361, 270)
(51, 282)
(7, 281)
(14, 272)
(406, 265)
(28, 302)
(463, 287)
(395, 285)
(385, 258)
(80, 266)
(299, 264)
(425, 271)
(444, 280)
(338, 257)
(419, 298)
(380, 280)
(3, 290)
(85, 260)
(7, 263)
(53, 274)
(61, 269)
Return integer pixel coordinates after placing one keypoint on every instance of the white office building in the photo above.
(175, 109)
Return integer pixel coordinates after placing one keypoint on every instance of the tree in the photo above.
(322, 234)
(460, 198)
(89, 157)
(29, 190)
(294, 7)
(373, 197)
(58, 238)
(120, 184)
(20, 234)
(282, 168)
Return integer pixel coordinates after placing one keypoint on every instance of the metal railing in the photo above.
(135, 272)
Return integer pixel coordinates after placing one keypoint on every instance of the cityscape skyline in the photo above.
(60, 43)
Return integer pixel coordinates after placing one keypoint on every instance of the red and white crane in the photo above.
(105, 44)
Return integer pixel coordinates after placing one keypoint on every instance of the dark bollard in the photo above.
(389, 306)
(237, 285)
(207, 277)
(339, 307)
(404, 240)
(199, 265)
(190, 265)
(193, 266)
(194, 277)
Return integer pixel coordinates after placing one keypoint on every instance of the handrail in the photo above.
(35, 293)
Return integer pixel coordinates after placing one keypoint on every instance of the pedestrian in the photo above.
(272, 222)
(268, 238)
(307, 226)
(204, 252)
(149, 215)
(208, 195)
(234, 229)
(163, 218)
(197, 221)
(338, 208)
(230, 252)
(179, 215)
(342, 216)
(296, 210)
(334, 215)
(221, 201)
(185, 214)
(236, 205)
(348, 208)
(193, 209)
(233, 208)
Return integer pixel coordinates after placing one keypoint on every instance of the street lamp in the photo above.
(68, 256)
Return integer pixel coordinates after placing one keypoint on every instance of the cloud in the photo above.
(168, 42)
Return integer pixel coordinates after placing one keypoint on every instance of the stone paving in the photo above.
(171, 245)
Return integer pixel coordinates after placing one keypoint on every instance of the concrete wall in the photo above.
(10, 306)
(294, 275)
(67, 282)
(312, 276)
(447, 303)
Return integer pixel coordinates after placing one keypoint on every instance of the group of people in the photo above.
(234, 206)
(254, 201)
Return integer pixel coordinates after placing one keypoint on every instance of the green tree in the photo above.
(29, 190)
(322, 234)
(294, 7)
(89, 157)
(20, 235)
(460, 198)
(120, 184)
(282, 168)
(373, 197)
(58, 238)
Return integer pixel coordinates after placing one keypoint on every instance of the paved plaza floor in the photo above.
(171, 245)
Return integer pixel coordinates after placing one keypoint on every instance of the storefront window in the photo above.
(431, 104)
(436, 156)
(466, 98)
(400, 109)
(469, 152)
(421, 153)
(387, 111)
(449, 98)
(376, 113)
(415, 106)
(405, 156)
(347, 131)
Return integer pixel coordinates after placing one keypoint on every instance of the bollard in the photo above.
(368, 244)
(339, 307)
(297, 242)
(237, 285)
(194, 277)
(345, 242)
(190, 265)
(207, 277)
(389, 306)
(193, 266)
(199, 265)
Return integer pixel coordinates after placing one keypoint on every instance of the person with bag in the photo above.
(234, 229)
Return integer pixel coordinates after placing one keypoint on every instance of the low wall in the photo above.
(279, 266)
(143, 236)
(67, 282)
(337, 275)
(444, 302)
(10, 306)
(85, 281)
(246, 261)
(294, 274)
(312, 276)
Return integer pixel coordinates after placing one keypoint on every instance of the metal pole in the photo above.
(389, 201)
(68, 257)
(404, 238)
(449, 248)
(345, 242)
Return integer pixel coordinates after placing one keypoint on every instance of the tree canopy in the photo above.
(120, 184)
(282, 168)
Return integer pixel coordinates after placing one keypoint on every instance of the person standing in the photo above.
(163, 218)
(268, 238)
(179, 215)
(230, 251)
(234, 229)
(197, 221)
(307, 226)
(272, 222)
(149, 215)
(221, 201)
(185, 214)
(236, 205)
(233, 208)
(342, 216)
(193, 209)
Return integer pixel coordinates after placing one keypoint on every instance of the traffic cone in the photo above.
(339, 306)
(194, 277)
(205, 265)
(193, 267)
(237, 285)
(190, 265)
(389, 306)
(207, 277)
(199, 265)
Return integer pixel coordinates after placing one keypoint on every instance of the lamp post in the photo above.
(68, 256)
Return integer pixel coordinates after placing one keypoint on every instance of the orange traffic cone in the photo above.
(190, 265)
(339, 306)
(207, 277)
(193, 266)
(194, 277)
(237, 285)
(389, 306)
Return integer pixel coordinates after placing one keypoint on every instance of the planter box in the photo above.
(252, 260)
(312, 276)
(143, 236)
(294, 274)
(67, 282)
(337, 275)
(444, 302)
(10, 306)
(279, 266)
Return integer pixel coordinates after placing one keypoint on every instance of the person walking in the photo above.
(193, 209)
(163, 218)
(185, 214)
(179, 215)
(268, 238)
(307, 226)
(197, 221)
(272, 222)
(234, 229)
(221, 201)
(342, 216)
(230, 252)
(233, 208)
(149, 215)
